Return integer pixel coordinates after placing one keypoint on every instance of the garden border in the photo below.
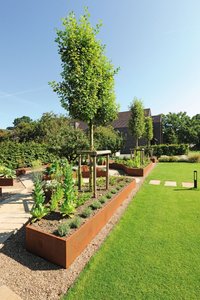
(63, 251)
(132, 171)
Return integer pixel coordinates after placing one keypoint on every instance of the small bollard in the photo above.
(195, 179)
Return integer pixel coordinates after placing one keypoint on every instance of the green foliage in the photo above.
(177, 128)
(87, 89)
(63, 229)
(108, 195)
(148, 132)
(24, 119)
(70, 197)
(136, 121)
(76, 222)
(112, 180)
(82, 198)
(39, 210)
(86, 212)
(7, 172)
(106, 138)
(56, 197)
(15, 155)
(96, 204)
(103, 199)
(113, 191)
(177, 149)
(101, 181)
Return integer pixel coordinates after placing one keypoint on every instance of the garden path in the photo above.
(171, 183)
(15, 210)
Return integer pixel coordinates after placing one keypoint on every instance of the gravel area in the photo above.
(33, 278)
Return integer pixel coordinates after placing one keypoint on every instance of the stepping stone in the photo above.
(188, 184)
(170, 183)
(154, 182)
(7, 294)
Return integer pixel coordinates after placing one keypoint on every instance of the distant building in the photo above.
(121, 125)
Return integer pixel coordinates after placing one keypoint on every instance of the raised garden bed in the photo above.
(6, 181)
(63, 251)
(85, 172)
(131, 171)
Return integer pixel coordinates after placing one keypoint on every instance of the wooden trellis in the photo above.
(93, 162)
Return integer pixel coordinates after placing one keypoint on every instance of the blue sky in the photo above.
(155, 43)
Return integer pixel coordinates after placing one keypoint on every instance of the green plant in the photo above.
(76, 222)
(70, 196)
(86, 212)
(7, 172)
(56, 197)
(108, 195)
(63, 229)
(103, 199)
(113, 191)
(95, 205)
(101, 182)
(39, 210)
(82, 198)
(112, 180)
(35, 164)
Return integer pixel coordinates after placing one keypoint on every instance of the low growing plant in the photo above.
(86, 212)
(95, 205)
(7, 172)
(63, 229)
(109, 195)
(113, 191)
(82, 198)
(76, 222)
(103, 199)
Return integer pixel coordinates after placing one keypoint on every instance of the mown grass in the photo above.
(154, 251)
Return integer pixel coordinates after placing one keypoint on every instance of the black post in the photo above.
(195, 179)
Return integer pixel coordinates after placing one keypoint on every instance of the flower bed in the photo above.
(131, 171)
(63, 251)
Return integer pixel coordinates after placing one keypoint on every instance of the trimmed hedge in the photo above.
(15, 155)
(170, 150)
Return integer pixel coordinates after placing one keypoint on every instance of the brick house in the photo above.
(121, 125)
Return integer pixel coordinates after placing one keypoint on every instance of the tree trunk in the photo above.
(136, 143)
(91, 148)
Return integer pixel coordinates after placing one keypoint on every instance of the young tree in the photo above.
(148, 133)
(87, 86)
(136, 122)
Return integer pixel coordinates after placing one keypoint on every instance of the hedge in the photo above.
(15, 155)
(170, 150)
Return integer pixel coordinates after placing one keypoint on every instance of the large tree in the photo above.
(177, 128)
(136, 121)
(87, 86)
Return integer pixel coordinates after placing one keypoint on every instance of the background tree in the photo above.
(107, 138)
(177, 128)
(136, 121)
(148, 132)
(24, 119)
(87, 88)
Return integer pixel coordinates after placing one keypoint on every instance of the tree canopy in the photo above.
(136, 121)
(87, 86)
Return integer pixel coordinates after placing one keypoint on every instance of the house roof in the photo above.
(122, 120)
(124, 116)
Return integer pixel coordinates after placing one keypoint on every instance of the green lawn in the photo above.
(154, 251)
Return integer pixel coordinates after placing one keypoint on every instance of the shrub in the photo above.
(103, 199)
(76, 222)
(86, 212)
(109, 195)
(170, 150)
(96, 205)
(63, 229)
(114, 191)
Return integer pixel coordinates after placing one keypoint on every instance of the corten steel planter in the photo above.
(63, 251)
(6, 181)
(20, 171)
(132, 171)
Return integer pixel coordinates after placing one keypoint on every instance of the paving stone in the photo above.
(154, 182)
(7, 294)
(188, 184)
(170, 183)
